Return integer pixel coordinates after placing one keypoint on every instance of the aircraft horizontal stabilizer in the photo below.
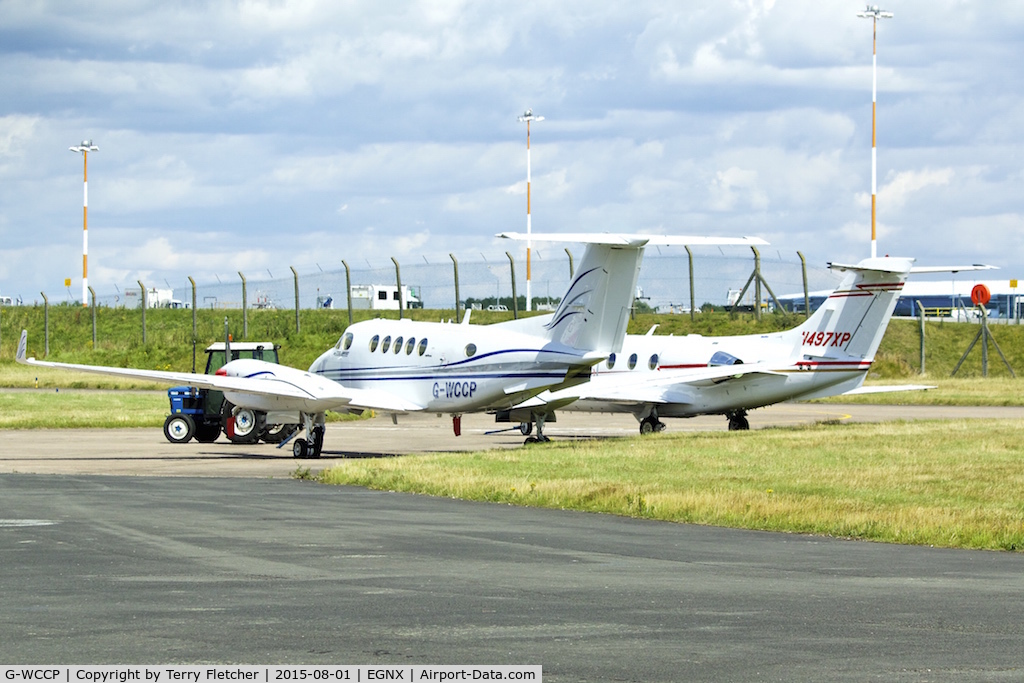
(634, 239)
(951, 269)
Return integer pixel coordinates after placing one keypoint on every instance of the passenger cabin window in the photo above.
(611, 361)
(386, 344)
(470, 350)
(423, 346)
(410, 345)
(398, 344)
(653, 362)
(374, 342)
(632, 361)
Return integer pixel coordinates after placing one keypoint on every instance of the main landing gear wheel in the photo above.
(738, 422)
(540, 419)
(650, 425)
(179, 428)
(303, 449)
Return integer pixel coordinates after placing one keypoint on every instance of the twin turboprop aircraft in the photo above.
(404, 366)
(666, 376)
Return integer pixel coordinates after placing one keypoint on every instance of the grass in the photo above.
(951, 484)
(950, 391)
(53, 408)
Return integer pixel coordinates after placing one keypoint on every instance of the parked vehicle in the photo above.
(203, 413)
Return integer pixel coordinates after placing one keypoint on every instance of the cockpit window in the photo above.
(723, 358)
(374, 342)
(345, 343)
(386, 344)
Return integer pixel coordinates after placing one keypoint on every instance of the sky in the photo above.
(256, 135)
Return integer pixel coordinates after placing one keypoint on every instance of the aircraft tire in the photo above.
(179, 428)
(738, 424)
(300, 449)
(647, 426)
(525, 428)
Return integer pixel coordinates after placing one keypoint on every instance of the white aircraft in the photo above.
(403, 366)
(666, 376)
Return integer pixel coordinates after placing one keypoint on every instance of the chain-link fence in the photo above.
(664, 282)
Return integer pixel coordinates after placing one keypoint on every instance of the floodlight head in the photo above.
(872, 12)
(86, 146)
(528, 116)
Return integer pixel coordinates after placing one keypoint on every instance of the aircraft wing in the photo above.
(288, 388)
(670, 386)
(879, 389)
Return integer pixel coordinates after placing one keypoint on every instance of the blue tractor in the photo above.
(205, 413)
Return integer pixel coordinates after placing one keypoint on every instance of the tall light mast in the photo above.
(872, 12)
(85, 148)
(528, 117)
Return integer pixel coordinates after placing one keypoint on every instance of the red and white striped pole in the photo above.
(528, 117)
(85, 148)
(872, 12)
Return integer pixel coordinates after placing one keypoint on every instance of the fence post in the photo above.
(693, 299)
(515, 299)
(193, 282)
(807, 299)
(398, 278)
(571, 272)
(296, 276)
(920, 311)
(46, 325)
(93, 293)
(245, 307)
(757, 284)
(142, 288)
(348, 290)
(455, 263)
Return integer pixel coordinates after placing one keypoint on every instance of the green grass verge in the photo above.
(950, 391)
(56, 408)
(952, 484)
(52, 408)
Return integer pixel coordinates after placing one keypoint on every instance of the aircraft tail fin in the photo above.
(594, 311)
(852, 321)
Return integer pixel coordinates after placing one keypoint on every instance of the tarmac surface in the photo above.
(231, 561)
